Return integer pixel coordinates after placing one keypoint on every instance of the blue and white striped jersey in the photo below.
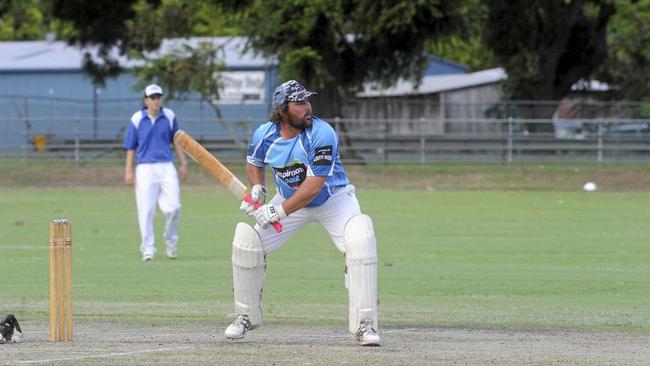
(314, 152)
(151, 139)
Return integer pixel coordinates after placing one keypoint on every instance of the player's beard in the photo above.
(300, 123)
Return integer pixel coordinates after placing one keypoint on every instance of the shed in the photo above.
(443, 99)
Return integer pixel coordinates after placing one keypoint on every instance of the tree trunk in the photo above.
(544, 111)
(227, 126)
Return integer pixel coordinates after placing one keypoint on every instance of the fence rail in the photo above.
(363, 140)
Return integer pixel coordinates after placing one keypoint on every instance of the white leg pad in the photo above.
(248, 272)
(361, 259)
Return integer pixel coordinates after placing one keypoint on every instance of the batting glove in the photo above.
(267, 214)
(258, 194)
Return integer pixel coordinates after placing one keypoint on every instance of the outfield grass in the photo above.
(536, 259)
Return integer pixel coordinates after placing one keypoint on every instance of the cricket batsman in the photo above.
(302, 152)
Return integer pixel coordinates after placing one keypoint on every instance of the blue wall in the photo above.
(53, 102)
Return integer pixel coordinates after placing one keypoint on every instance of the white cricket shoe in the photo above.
(147, 257)
(238, 328)
(367, 333)
(172, 253)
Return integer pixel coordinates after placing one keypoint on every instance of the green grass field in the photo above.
(533, 259)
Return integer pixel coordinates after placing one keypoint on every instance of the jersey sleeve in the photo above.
(257, 150)
(173, 123)
(323, 150)
(173, 131)
(131, 138)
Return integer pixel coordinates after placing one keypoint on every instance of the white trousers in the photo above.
(332, 215)
(157, 183)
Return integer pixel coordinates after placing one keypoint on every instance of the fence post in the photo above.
(600, 144)
(25, 143)
(96, 92)
(423, 155)
(337, 129)
(26, 131)
(385, 149)
(77, 131)
(510, 132)
(249, 130)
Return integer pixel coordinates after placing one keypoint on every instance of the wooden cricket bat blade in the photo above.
(216, 169)
(211, 164)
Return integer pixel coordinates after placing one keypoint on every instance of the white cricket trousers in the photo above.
(332, 215)
(157, 183)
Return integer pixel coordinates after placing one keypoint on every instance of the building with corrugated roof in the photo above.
(451, 102)
(44, 91)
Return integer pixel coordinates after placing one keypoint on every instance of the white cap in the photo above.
(152, 89)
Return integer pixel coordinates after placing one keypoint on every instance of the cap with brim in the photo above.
(290, 91)
(153, 89)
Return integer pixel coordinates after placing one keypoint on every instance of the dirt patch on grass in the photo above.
(117, 343)
(430, 177)
(502, 177)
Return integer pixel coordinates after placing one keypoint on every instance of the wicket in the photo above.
(60, 280)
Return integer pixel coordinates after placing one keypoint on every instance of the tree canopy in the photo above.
(627, 66)
(134, 27)
(466, 45)
(546, 46)
(22, 20)
(334, 45)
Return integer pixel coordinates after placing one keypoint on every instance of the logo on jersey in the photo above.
(293, 174)
(323, 156)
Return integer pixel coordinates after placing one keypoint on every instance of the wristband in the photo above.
(281, 213)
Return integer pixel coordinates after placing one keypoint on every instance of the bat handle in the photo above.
(276, 224)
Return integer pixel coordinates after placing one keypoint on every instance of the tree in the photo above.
(627, 66)
(134, 27)
(102, 24)
(466, 46)
(188, 69)
(546, 47)
(21, 20)
(334, 46)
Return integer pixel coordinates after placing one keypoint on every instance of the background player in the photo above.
(303, 153)
(150, 133)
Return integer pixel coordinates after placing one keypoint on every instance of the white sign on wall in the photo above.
(241, 86)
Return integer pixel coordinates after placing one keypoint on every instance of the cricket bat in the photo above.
(216, 169)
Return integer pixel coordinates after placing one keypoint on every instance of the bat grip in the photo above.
(276, 224)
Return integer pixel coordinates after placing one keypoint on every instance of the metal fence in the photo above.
(602, 141)
(597, 141)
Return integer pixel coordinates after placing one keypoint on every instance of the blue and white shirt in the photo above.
(314, 152)
(151, 139)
